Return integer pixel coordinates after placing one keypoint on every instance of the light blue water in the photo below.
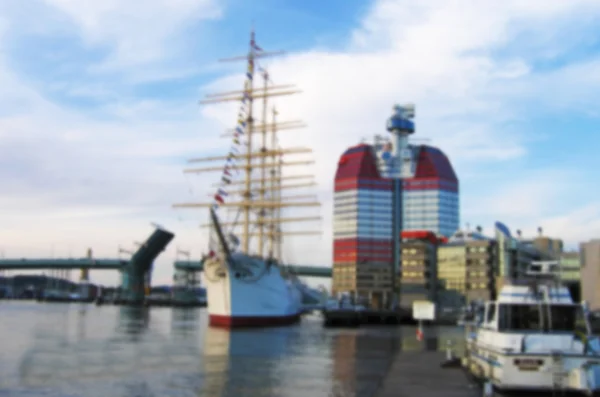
(62, 350)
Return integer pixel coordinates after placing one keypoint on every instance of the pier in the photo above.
(419, 373)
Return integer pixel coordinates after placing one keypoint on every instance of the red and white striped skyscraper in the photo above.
(364, 198)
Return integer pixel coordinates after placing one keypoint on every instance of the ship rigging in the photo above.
(246, 288)
(261, 200)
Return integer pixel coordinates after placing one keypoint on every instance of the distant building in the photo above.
(549, 248)
(466, 268)
(418, 278)
(515, 253)
(590, 273)
(570, 268)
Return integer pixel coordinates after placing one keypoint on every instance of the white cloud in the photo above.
(575, 226)
(531, 196)
(139, 31)
(437, 54)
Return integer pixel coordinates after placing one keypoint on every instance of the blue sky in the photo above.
(98, 111)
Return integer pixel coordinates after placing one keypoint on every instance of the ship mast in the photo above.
(276, 191)
(263, 170)
(255, 200)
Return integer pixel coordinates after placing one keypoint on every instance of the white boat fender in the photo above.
(451, 361)
(488, 390)
(449, 350)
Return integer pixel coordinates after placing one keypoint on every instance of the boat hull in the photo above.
(252, 321)
(523, 372)
(262, 299)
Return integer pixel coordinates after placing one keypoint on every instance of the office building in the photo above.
(570, 273)
(418, 277)
(549, 248)
(466, 269)
(370, 210)
(590, 273)
(515, 253)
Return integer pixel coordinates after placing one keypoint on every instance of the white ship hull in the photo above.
(261, 297)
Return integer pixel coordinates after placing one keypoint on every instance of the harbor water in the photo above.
(83, 350)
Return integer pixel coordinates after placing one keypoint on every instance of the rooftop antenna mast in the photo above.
(121, 250)
(181, 252)
(254, 200)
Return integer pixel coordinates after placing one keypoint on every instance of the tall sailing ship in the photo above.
(247, 288)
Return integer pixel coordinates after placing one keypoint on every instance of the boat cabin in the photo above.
(539, 304)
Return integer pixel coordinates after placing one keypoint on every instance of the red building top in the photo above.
(433, 163)
(433, 169)
(357, 162)
(423, 235)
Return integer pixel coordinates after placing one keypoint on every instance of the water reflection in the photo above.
(73, 350)
(133, 321)
(244, 362)
(186, 322)
(360, 360)
(55, 360)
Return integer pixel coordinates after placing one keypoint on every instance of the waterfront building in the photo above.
(515, 253)
(362, 228)
(550, 248)
(466, 269)
(590, 272)
(570, 272)
(418, 278)
(570, 266)
(380, 190)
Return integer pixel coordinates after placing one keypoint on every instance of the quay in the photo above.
(420, 373)
(341, 317)
(352, 317)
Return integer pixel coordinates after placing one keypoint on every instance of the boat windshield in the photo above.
(545, 318)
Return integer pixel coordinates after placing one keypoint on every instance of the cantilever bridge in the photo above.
(136, 271)
(119, 264)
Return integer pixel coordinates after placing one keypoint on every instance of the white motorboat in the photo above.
(534, 338)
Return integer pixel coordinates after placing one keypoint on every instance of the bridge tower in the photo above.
(84, 278)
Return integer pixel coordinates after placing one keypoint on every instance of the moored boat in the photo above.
(534, 338)
(248, 291)
(249, 286)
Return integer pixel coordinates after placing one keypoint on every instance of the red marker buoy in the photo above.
(419, 334)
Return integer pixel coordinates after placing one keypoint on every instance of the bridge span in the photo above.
(119, 264)
(62, 264)
(301, 270)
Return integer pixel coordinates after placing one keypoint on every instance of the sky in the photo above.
(99, 110)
